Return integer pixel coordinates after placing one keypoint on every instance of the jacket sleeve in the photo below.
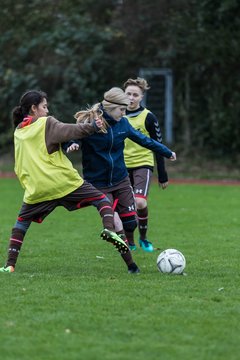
(66, 145)
(153, 128)
(147, 142)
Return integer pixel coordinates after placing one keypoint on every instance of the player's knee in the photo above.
(101, 202)
(117, 222)
(129, 224)
(21, 226)
(106, 199)
(141, 203)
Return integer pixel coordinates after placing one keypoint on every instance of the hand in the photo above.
(164, 185)
(73, 147)
(173, 157)
(99, 123)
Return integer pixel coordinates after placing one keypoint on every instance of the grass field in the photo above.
(72, 298)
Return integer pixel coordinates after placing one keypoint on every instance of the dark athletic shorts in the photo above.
(140, 180)
(83, 196)
(122, 197)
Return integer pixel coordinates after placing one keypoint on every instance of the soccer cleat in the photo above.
(146, 245)
(133, 269)
(113, 238)
(132, 247)
(7, 269)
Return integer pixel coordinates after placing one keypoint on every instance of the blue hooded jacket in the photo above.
(102, 154)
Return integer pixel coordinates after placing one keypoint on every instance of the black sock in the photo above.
(127, 257)
(15, 245)
(142, 222)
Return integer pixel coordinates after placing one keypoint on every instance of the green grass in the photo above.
(72, 298)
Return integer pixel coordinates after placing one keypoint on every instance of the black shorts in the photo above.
(83, 196)
(140, 179)
(122, 198)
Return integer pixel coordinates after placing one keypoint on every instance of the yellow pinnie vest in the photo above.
(43, 176)
(135, 155)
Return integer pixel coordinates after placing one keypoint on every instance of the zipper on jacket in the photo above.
(110, 156)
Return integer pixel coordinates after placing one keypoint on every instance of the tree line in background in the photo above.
(77, 49)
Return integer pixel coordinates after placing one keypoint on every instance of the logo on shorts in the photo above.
(131, 208)
(138, 191)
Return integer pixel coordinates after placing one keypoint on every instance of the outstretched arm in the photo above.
(149, 143)
(154, 130)
(58, 132)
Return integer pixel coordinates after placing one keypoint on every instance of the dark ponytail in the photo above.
(29, 98)
(17, 115)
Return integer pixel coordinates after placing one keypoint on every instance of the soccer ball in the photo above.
(171, 261)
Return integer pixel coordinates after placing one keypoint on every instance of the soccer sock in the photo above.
(130, 237)
(15, 244)
(127, 257)
(106, 213)
(142, 222)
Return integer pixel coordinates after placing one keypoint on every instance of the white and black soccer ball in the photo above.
(171, 261)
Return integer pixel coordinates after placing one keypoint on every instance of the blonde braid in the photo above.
(89, 116)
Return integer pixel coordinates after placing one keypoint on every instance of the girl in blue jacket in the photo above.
(103, 160)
